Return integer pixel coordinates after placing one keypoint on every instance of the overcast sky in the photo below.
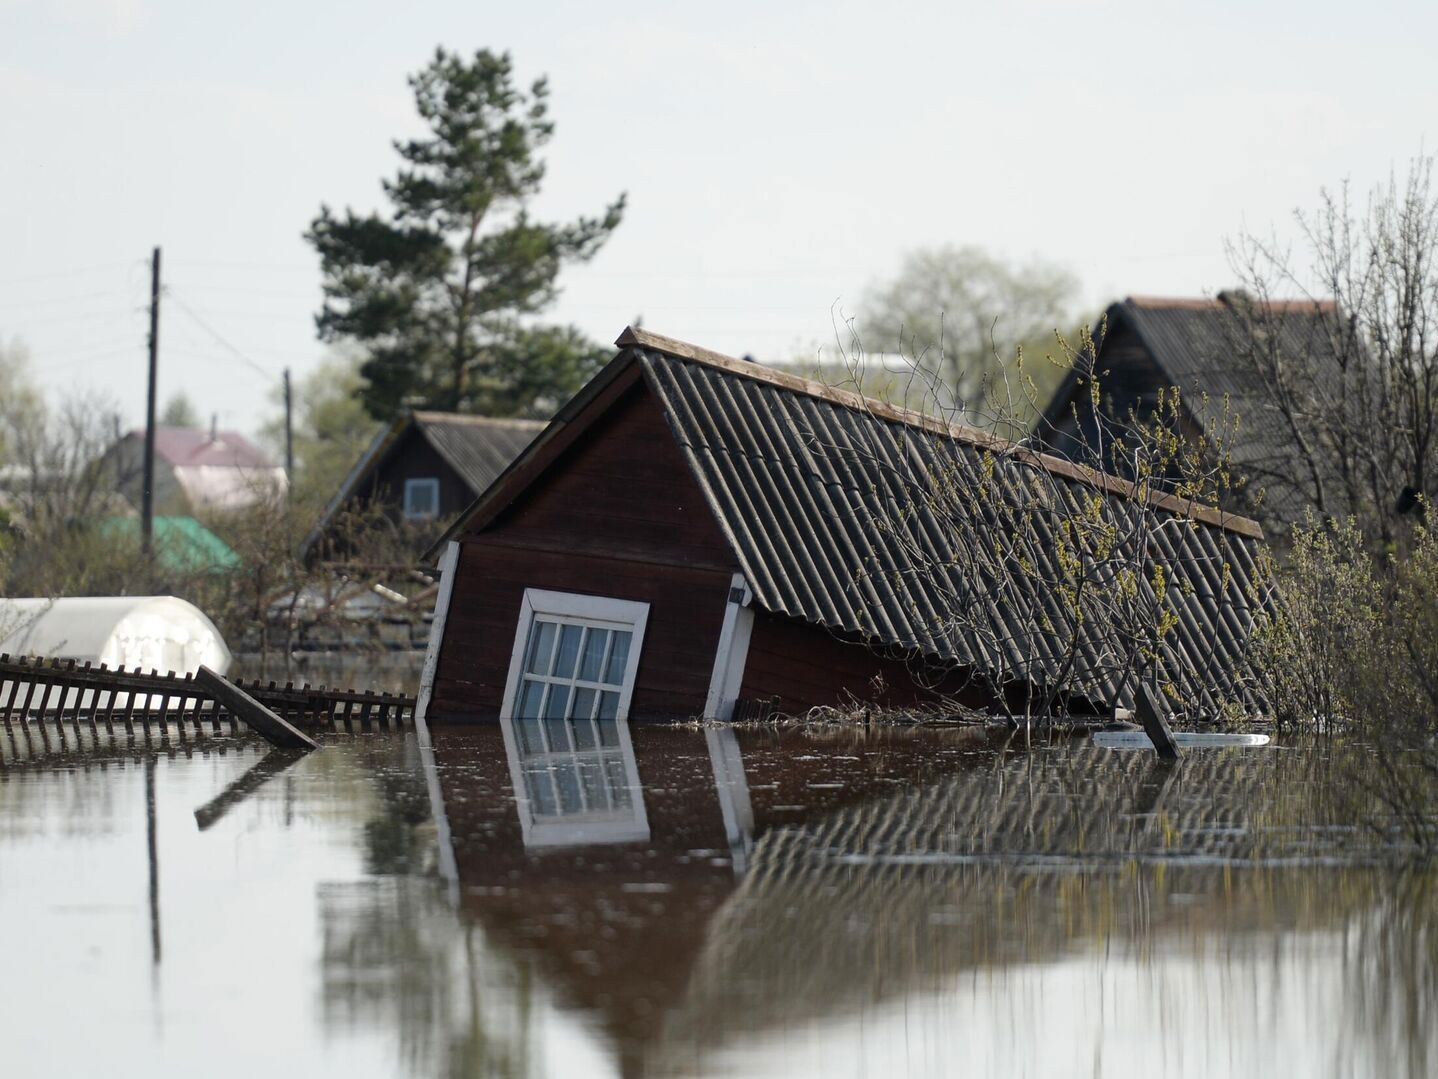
(778, 157)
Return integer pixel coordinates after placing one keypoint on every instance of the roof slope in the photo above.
(192, 447)
(182, 544)
(1192, 343)
(479, 448)
(822, 494)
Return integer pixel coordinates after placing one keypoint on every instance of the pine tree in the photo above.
(441, 293)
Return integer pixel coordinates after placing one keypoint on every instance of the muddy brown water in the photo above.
(684, 902)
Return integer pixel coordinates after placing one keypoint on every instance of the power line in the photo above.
(219, 338)
(65, 273)
(50, 301)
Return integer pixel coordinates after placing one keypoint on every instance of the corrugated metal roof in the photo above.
(479, 448)
(854, 518)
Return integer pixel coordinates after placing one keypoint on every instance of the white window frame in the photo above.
(432, 484)
(597, 612)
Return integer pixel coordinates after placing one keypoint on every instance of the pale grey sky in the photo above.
(778, 157)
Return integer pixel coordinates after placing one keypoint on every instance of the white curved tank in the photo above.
(163, 633)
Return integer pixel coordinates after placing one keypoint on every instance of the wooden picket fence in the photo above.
(53, 695)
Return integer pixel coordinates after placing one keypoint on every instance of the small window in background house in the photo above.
(421, 499)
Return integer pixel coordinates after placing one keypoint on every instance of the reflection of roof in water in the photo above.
(875, 871)
(1021, 858)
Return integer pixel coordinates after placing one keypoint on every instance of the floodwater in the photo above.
(690, 902)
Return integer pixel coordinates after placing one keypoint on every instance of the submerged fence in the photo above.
(56, 696)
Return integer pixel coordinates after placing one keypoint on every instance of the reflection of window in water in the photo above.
(573, 766)
(575, 781)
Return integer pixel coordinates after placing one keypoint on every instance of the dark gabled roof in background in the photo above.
(478, 448)
(1191, 342)
(794, 470)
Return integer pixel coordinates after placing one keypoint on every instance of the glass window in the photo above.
(421, 499)
(572, 671)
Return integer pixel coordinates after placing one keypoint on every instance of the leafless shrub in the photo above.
(1351, 648)
(1056, 579)
(1356, 394)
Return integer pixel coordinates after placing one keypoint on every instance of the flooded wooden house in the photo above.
(423, 468)
(694, 534)
(1149, 345)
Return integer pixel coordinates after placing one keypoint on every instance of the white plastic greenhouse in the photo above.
(162, 633)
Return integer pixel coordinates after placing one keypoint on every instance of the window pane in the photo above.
(541, 644)
(558, 735)
(541, 792)
(618, 783)
(530, 738)
(591, 776)
(555, 707)
(608, 705)
(530, 695)
(567, 779)
(583, 704)
(568, 651)
(618, 658)
(593, 661)
(584, 734)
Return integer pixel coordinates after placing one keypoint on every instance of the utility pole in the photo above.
(289, 433)
(147, 496)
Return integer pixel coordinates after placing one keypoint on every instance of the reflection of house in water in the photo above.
(785, 881)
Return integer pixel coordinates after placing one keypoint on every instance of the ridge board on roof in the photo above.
(670, 346)
(525, 468)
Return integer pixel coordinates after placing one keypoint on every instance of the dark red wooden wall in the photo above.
(799, 666)
(617, 515)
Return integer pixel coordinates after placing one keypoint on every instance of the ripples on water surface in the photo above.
(667, 902)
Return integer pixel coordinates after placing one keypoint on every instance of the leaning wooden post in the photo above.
(1150, 714)
(255, 715)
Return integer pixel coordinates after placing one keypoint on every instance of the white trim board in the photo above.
(732, 652)
(448, 570)
(448, 869)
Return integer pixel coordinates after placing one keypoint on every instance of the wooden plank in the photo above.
(266, 768)
(11, 693)
(255, 715)
(1150, 714)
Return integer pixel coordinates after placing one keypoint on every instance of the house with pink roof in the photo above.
(196, 470)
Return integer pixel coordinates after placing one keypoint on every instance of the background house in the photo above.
(423, 470)
(1198, 346)
(693, 530)
(196, 470)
